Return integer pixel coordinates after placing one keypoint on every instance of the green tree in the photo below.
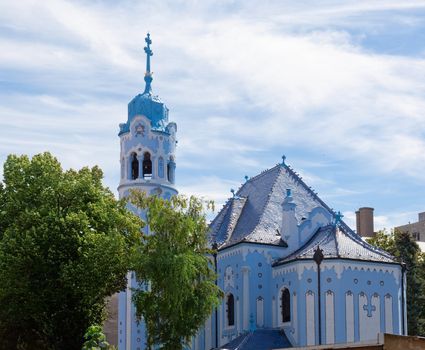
(95, 339)
(177, 291)
(64, 247)
(406, 251)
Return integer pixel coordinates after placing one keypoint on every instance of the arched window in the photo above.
(169, 172)
(285, 305)
(147, 165)
(134, 166)
(171, 166)
(230, 310)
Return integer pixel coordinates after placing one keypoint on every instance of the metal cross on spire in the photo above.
(148, 74)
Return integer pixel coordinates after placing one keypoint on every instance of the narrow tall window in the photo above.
(147, 166)
(230, 310)
(169, 172)
(134, 166)
(286, 305)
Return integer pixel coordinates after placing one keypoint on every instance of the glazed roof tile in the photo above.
(260, 214)
(254, 215)
(336, 243)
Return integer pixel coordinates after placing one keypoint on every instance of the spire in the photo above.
(148, 74)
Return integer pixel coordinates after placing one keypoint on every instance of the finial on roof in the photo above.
(233, 192)
(148, 74)
(283, 160)
(246, 178)
(338, 217)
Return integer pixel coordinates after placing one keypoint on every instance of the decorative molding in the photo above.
(228, 253)
(229, 278)
(369, 316)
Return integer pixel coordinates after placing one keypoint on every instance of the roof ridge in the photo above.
(263, 173)
(308, 188)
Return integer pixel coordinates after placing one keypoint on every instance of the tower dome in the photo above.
(147, 103)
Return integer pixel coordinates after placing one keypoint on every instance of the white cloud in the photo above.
(239, 82)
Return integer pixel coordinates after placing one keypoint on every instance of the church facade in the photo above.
(293, 273)
(287, 262)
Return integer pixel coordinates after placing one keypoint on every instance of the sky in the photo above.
(336, 86)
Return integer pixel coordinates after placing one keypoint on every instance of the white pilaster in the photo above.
(349, 316)
(388, 314)
(310, 318)
(260, 312)
(128, 313)
(245, 279)
(330, 317)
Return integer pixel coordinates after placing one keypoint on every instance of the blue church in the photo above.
(293, 273)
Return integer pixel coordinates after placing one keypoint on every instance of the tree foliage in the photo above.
(95, 339)
(406, 251)
(178, 291)
(64, 247)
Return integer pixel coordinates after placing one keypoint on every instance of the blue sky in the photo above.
(336, 86)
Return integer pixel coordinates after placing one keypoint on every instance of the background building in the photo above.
(416, 229)
(364, 222)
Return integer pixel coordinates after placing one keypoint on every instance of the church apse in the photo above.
(267, 235)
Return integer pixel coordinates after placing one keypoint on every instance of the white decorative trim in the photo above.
(369, 316)
(229, 278)
(388, 308)
(295, 317)
(310, 318)
(349, 316)
(330, 317)
(228, 253)
(260, 312)
(339, 266)
(128, 313)
(297, 266)
(245, 281)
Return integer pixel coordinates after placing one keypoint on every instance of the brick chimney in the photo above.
(364, 222)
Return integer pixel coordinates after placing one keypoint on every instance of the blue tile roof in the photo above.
(259, 213)
(260, 339)
(255, 215)
(336, 243)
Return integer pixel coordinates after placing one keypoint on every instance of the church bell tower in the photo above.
(147, 158)
(148, 142)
